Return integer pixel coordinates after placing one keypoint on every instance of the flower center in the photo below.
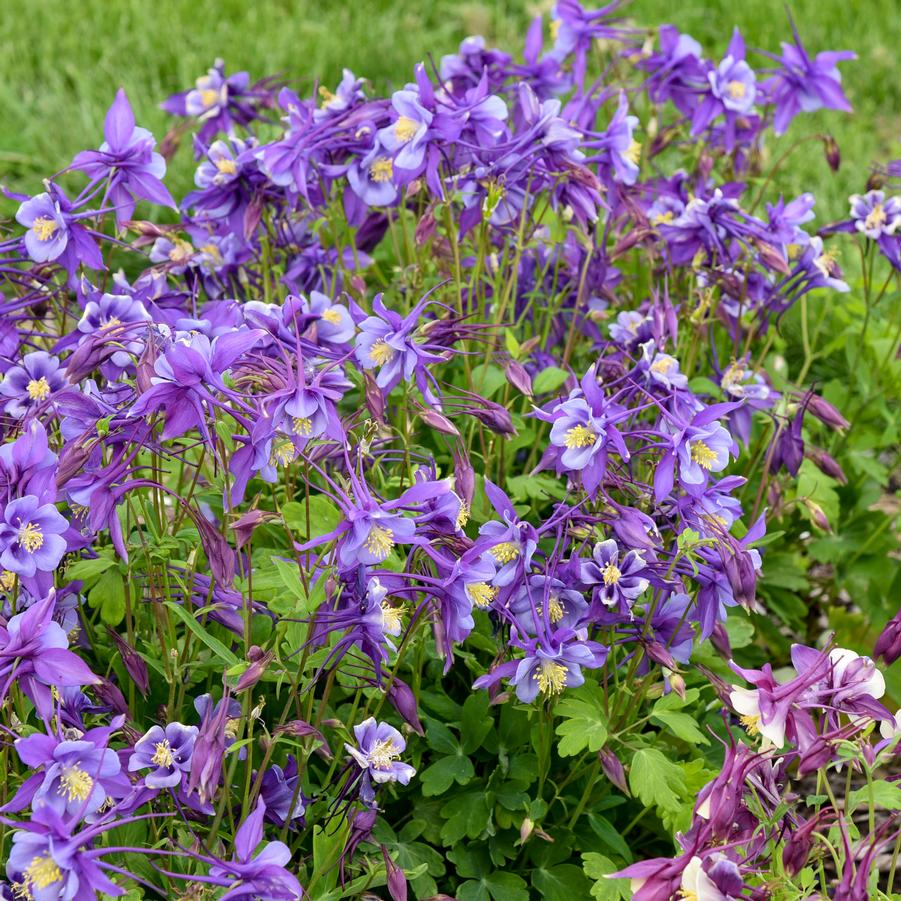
(579, 436)
(282, 453)
(751, 722)
(826, 263)
(226, 166)
(75, 784)
(391, 617)
(551, 677)
(162, 754)
(481, 593)
(663, 218)
(31, 537)
(209, 97)
(44, 227)
(703, 455)
(737, 89)
(662, 365)
(381, 169)
(42, 871)
(633, 154)
(7, 580)
(302, 425)
(181, 250)
(555, 609)
(687, 894)
(462, 515)
(379, 542)
(381, 352)
(611, 574)
(405, 129)
(876, 218)
(505, 552)
(38, 389)
(331, 315)
(382, 753)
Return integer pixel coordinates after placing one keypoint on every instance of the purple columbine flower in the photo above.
(802, 84)
(127, 157)
(31, 536)
(260, 875)
(378, 747)
(31, 383)
(34, 652)
(48, 228)
(617, 581)
(334, 324)
(372, 177)
(284, 801)
(407, 137)
(78, 775)
(167, 753)
(565, 606)
(548, 668)
(873, 215)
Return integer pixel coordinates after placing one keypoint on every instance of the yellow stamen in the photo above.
(379, 542)
(703, 455)
(381, 352)
(481, 593)
(181, 251)
(611, 574)
(826, 262)
(332, 315)
(282, 453)
(212, 250)
(382, 753)
(687, 894)
(664, 218)
(75, 784)
(555, 609)
(405, 129)
(38, 389)
(551, 677)
(162, 755)
(733, 376)
(391, 621)
(751, 724)
(381, 169)
(505, 552)
(209, 97)
(737, 89)
(42, 872)
(226, 166)
(302, 425)
(579, 436)
(44, 227)
(7, 580)
(662, 365)
(876, 218)
(31, 537)
(633, 154)
(462, 515)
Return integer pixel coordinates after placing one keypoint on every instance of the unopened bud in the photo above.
(526, 827)
(613, 769)
(519, 378)
(832, 152)
(827, 464)
(826, 413)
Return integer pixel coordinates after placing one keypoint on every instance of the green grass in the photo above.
(62, 62)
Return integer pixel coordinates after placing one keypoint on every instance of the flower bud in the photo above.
(397, 881)
(133, 662)
(817, 515)
(797, 848)
(832, 152)
(254, 672)
(719, 638)
(827, 464)
(659, 654)
(437, 421)
(519, 378)
(888, 645)
(526, 828)
(375, 400)
(404, 702)
(613, 769)
(464, 476)
(825, 412)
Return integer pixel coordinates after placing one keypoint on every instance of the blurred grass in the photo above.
(63, 62)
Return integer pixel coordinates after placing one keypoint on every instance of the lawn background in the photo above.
(63, 61)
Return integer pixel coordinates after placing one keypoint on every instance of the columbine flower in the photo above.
(617, 581)
(260, 875)
(31, 536)
(378, 748)
(31, 383)
(167, 753)
(802, 84)
(127, 157)
(873, 215)
(48, 228)
(548, 668)
(78, 775)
